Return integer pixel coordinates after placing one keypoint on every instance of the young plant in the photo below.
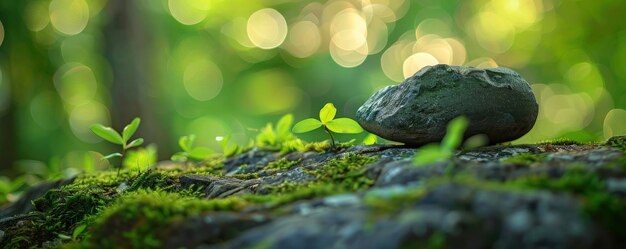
(432, 153)
(227, 148)
(109, 134)
(330, 124)
(191, 152)
(8, 187)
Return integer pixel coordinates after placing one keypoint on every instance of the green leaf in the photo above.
(130, 129)
(78, 231)
(186, 142)
(179, 157)
(306, 125)
(327, 113)
(200, 153)
(454, 134)
(109, 156)
(136, 142)
(344, 125)
(284, 125)
(107, 133)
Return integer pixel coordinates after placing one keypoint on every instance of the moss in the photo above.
(605, 208)
(281, 165)
(561, 141)
(65, 207)
(247, 176)
(525, 158)
(151, 180)
(139, 219)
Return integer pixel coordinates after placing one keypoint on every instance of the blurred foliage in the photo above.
(218, 68)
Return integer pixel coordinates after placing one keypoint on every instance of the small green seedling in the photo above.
(191, 152)
(227, 149)
(432, 153)
(109, 134)
(8, 187)
(330, 124)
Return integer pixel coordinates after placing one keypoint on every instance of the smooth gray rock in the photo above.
(498, 102)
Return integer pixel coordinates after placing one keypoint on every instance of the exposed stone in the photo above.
(498, 102)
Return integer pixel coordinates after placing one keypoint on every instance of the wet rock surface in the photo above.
(521, 196)
(498, 102)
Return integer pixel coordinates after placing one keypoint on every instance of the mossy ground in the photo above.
(134, 209)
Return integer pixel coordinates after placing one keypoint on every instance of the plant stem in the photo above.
(332, 140)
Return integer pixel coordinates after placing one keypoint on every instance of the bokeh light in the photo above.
(189, 12)
(203, 80)
(303, 39)
(267, 28)
(615, 123)
(1, 33)
(75, 83)
(270, 91)
(36, 15)
(69, 17)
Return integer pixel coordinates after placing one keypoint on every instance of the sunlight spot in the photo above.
(303, 40)
(36, 15)
(188, 12)
(69, 16)
(416, 62)
(267, 28)
(75, 83)
(614, 123)
(203, 80)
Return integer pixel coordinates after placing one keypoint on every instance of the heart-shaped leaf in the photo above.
(200, 153)
(327, 113)
(107, 133)
(134, 143)
(344, 125)
(306, 125)
(130, 129)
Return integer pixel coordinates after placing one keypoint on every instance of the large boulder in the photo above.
(497, 101)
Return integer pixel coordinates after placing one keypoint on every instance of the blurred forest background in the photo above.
(227, 67)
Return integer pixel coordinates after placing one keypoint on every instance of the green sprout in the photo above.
(227, 148)
(432, 153)
(109, 134)
(330, 124)
(191, 152)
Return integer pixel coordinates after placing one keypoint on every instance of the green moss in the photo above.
(435, 241)
(561, 141)
(281, 165)
(525, 158)
(605, 208)
(247, 176)
(139, 219)
(151, 180)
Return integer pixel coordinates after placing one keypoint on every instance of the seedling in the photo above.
(190, 152)
(330, 124)
(432, 153)
(227, 148)
(109, 134)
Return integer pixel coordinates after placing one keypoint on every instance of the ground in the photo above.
(559, 194)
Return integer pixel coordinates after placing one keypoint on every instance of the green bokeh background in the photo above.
(227, 67)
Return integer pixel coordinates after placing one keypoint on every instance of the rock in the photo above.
(497, 101)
